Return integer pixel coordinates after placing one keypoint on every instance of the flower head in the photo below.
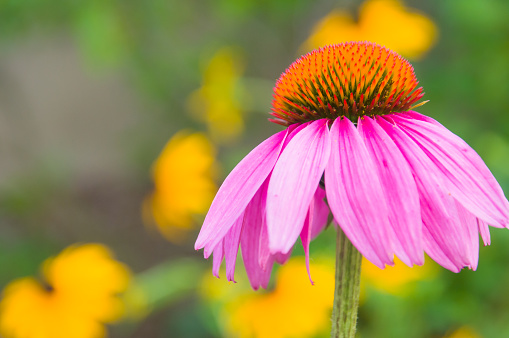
(397, 182)
(184, 186)
(260, 315)
(349, 79)
(381, 21)
(77, 297)
(217, 102)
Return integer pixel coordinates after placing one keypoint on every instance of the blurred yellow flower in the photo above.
(398, 279)
(184, 186)
(386, 22)
(464, 332)
(295, 308)
(78, 295)
(217, 102)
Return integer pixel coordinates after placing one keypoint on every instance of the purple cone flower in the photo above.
(397, 182)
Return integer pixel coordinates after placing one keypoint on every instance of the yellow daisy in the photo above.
(77, 297)
(386, 22)
(295, 308)
(217, 102)
(184, 186)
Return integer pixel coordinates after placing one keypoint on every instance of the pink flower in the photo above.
(397, 182)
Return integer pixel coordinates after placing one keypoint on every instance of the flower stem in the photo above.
(346, 294)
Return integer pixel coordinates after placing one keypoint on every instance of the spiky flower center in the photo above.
(350, 79)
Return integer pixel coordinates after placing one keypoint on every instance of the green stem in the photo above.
(346, 294)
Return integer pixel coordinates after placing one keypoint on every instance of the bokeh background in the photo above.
(119, 119)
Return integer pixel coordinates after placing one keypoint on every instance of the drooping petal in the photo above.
(400, 192)
(237, 190)
(355, 195)
(453, 235)
(293, 182)
(263, 246)
(484, 230)
(282, 258)
(305, 236)
(464, 173)
(254, 221)
(438, 208)
(434, 250)
(468, 222)
(266, 257)
(231, 247)
(316, 220)
(217, 258)
(320, 214)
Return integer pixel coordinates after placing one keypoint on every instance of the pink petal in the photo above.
(436, 253)
(440, 221)
(231, 247)
(445, 240)
(293, 130)
(265, 256)
(254, 221)
(237, 190)
(282, 258)
(316, 220)
(468, 222)
(413, 115)
(293, 182)
(305, 236)
(217, 258)
(263, 246)
(464, 173)
(484, 231)
(399, 189)
(321, 213)
(355, 195)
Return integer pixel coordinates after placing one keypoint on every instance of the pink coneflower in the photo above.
(397, 182)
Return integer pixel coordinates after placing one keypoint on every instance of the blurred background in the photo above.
(119, 119)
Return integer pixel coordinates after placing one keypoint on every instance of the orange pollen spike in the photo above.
(350, 79)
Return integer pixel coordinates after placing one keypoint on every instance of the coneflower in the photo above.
(397, 182)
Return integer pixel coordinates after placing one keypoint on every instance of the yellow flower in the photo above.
(184, 187)
(295, 308)
(386, 22)
(397, 280)
(217, 101)
(78, 296)
(464, 332)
